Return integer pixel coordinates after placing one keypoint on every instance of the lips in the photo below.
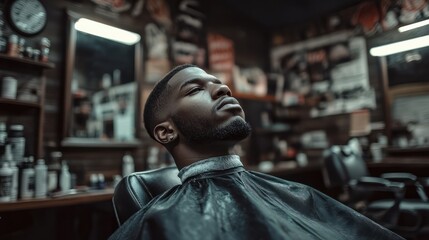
(228, 102)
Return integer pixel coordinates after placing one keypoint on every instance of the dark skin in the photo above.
(202, 98)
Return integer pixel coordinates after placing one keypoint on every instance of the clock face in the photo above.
(28, 17)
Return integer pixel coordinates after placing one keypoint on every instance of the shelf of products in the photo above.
(4, 58)
(65, 200)
(29, 88)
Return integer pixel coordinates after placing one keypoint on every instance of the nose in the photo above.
(220, 90)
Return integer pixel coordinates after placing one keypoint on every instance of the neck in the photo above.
(186, 154)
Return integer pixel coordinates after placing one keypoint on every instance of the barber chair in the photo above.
(383, 199)
(137, 189)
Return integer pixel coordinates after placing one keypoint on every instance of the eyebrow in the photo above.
(198, 80)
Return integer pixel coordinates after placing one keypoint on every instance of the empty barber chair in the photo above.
(137, 189)
(347, 172)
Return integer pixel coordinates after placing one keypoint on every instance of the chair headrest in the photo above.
(137, 189)
(341, 165)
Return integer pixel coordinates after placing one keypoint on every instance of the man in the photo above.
(195, 117)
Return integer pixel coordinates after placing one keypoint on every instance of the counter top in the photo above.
(59, 200)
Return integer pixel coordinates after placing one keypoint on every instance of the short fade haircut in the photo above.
(158, 98)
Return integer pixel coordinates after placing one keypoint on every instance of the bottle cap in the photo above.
(13, 38)
(45, 42)
(127, 158)
(100, 177)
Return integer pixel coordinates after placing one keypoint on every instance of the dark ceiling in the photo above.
(281, 13)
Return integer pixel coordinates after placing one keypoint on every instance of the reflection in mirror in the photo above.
(404, 57)
(101, 83)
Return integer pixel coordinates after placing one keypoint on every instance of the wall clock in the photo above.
(27, 17)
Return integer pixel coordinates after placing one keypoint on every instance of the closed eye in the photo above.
(193, 91)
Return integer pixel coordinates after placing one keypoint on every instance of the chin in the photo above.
(196, 131)
(235, 129)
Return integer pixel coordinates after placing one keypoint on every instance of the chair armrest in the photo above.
(400, 177)
(408, 179)
(377, 184)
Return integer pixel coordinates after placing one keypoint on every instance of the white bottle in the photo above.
(5, 182)
(27, 179)
(93, 179)
(65, 178)
(17, 142)
(127, 165)
(41, 182)
(100, 181)
(9, 158)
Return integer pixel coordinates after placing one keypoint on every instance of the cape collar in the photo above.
(209, 165)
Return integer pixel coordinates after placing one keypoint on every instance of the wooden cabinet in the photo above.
(28, 108)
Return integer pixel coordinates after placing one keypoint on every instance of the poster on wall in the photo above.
(189, 37)
(157, 62)
(221, 56)
(331, 72)
(159, 11)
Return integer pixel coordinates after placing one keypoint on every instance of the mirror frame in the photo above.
(66, 139)
(390, 93)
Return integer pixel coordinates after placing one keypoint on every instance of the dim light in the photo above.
(106, 31)
(401, 46)
(413, 26)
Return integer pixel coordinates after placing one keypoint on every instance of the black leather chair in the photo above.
(137, 189)
(347, 172)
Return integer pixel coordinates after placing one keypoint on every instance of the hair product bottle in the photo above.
(5, 182)
(127, 165)
(65, 178)
(27, 178)
(7, 157)
(41, 172)
(54, 171)
(17, 141)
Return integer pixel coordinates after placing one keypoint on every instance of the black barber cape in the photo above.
(219, 199)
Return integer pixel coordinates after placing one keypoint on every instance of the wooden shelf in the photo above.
(24, 61)
(416, 149)
(24, 68)
(74, 199)
(99, 143)
(19, 103)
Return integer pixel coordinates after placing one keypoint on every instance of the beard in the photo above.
(198, 132)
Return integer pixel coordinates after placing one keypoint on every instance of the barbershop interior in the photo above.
(336, 94)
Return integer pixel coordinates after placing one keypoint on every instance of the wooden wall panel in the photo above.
(251, 49)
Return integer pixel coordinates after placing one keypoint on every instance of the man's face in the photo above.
(203, 110)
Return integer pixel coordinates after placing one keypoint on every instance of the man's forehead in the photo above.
(186, 74)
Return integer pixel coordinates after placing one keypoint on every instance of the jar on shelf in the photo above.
(12, 46)
(21, 47)
(9, 87)
(45, 45)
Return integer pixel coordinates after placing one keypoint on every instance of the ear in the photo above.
(164, 132)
